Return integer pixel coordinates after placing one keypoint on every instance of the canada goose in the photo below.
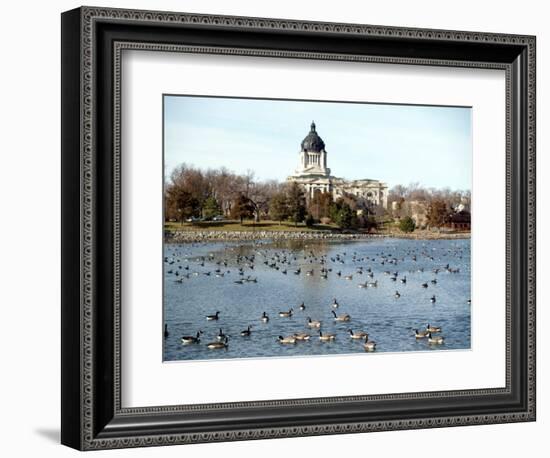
(469, 301)
(301, 336)
(348, 277)
(166, 333)
(218, 345)
(369, 345)
(191, 339)
(397, 295)
(221, 335)
(264, 318)
(435, 339)
(302, 306)
(326, 337)
(432, 299)
(344, 317)
(420, 334)
(434, 281)
(434, 329)
(363, 285)
(313, 323)
(285, 314)
(404, 280)
(246, 332)
(357, 335)
(213, 317)
(424, 285)
(287, 340)
(335, 303)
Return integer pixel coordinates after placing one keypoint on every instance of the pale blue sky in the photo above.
(398, 144)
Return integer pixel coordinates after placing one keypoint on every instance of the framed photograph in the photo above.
(277, 228)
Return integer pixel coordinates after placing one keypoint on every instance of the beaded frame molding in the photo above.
(92, 43)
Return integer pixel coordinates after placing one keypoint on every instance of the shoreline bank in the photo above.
(233, 236)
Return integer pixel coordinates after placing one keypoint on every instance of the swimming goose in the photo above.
(434, 329)
(326, 337)
(313, 323)
(191, 339)
(435, 339)
(335, 303)
(357, 335)
(432, 299)
(404, 280)
(363, 285)
(302, 306)
(166, 333)
(218, 345)
(301, 336)
(369, 345)
(420, 334)
(344, 317)
(424, 285)
(246, 332)
(221, 335)
(397, 295)
(213, 317)
(286, 314)
(264, 318)
(287, 340)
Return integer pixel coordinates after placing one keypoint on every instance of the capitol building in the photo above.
(314, 175)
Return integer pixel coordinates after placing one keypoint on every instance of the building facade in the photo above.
(313, 174)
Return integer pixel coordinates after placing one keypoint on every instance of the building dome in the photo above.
(313, 142)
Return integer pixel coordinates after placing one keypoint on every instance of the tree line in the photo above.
(416, 192)
(192, 192)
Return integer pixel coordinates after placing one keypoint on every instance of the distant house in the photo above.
(460, 220)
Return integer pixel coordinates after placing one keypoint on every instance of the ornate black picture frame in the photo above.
(92, 41)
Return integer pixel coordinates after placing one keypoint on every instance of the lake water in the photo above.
(193, 289)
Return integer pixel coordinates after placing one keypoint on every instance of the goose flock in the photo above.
(308, 321)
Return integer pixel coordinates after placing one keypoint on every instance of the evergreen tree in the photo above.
(278, 207)
(296, 203)
(210, 207)
(407, 224)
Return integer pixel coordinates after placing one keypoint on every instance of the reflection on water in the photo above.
(243, 280)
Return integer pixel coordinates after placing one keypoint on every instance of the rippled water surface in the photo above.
(193, 289)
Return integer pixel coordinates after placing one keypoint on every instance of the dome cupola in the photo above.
(312, 142)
